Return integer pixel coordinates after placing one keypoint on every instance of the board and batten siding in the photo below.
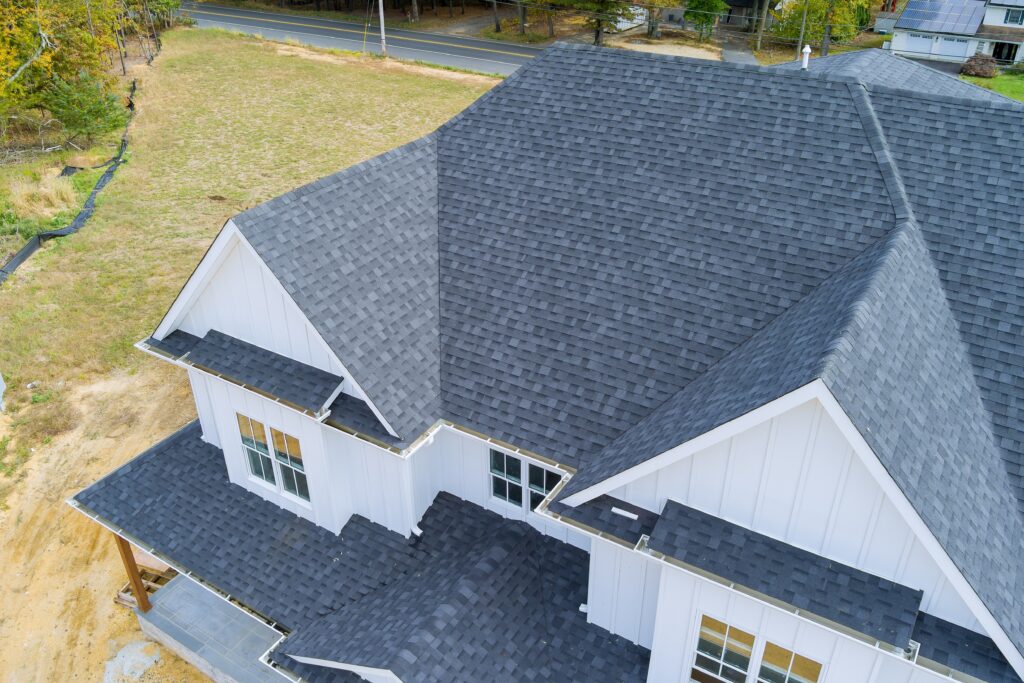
(797, 479)
(623, 591)
(244, 300)
(684, 598)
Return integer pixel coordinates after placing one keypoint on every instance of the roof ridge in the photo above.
(880, 148)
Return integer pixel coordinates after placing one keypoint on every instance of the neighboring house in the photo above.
(522, 400)
(953, 30)
(741, 14)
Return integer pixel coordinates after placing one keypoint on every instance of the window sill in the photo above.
(280, 493)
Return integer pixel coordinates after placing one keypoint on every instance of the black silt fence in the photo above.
(112, 164)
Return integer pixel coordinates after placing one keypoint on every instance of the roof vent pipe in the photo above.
(807, 57)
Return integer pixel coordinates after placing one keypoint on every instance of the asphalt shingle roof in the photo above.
(882, 67)
(544, 271)
(962, 649)
(297, 383)
(357, 251)
(871, 605)
(441, 606)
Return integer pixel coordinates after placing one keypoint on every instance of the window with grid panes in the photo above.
(779, 665)
(506, 477)
(289, 462)
(541, 482)
(254, 443)
(723, 653)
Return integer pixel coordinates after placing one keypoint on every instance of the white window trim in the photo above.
(728, 627)
(278, 485)
(525, 463)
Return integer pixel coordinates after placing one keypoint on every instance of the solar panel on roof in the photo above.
(944, 16)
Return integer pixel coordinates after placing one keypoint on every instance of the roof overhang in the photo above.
(818, 390)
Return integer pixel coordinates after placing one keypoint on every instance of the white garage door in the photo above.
(953, 47)
(919, 44)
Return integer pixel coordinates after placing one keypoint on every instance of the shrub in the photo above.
(84, 107)
(43, 199)
(982, 66)
(1016, 69)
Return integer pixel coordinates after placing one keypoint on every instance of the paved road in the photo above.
(465, 53)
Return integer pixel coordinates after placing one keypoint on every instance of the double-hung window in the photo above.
(1014, 16)
(780, 665)
(254, 443)
(542, 481)
(723, 653)
(506, 477)
(289, 461)
(285, 470)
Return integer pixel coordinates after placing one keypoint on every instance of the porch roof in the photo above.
(175, 501)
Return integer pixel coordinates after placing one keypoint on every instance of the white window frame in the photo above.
(752, 666)
(503, 476)
(1020, 17)
(275, 464)
(526, 466)
(793, 654)
(287, 460)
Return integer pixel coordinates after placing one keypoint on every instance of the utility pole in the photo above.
(803, 27)
(827, 39)
(383, 38)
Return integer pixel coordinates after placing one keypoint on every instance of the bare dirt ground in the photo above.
(58, 570)
(668, 46)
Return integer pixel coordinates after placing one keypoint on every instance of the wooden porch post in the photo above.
(132, 569)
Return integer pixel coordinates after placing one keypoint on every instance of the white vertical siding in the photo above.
(797, 479)
(623, 591)
(204, 407)
(244, 300)
(684, 598)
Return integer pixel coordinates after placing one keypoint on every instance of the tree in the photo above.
(601, 14)
(703, 14)
(843, 19)
(84, 107)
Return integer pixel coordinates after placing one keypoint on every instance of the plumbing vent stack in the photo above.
(807, 56)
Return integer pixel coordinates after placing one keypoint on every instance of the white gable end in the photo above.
(796, 478)
(244, 300)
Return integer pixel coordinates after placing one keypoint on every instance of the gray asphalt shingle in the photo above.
(500, 576)
(871, 605)
(534, 271)
(882, 67)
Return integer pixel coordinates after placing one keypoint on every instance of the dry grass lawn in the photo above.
(224, 123)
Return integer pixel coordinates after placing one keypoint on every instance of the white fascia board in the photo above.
(348, 374)
(198, 280)
(918, 526)
(379, 674)
(699, 443)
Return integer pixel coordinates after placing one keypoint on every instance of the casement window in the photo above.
(542, 481)
(506, 477)
(723, 653)
(507, 481)
(779, 665)
(1014, 16)
(285, 469)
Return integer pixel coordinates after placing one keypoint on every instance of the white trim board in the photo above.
(818, 390)
(364, 671)
(230, 236)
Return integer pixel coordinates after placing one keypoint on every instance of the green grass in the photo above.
(512, 35)
(224, 122)
(1011, 85)
(16, 229)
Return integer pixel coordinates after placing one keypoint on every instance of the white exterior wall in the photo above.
(460, 464)
(684, 598)
(937, 47)
(244, 300)
(623, 591)
(797, 479)
(996, 16)
(348, 475)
